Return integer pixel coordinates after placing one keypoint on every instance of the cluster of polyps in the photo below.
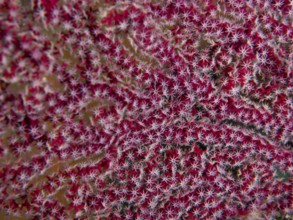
(146, 109)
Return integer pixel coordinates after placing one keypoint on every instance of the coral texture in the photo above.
(139, 109)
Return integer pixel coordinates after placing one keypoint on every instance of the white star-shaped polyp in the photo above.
(123, 25)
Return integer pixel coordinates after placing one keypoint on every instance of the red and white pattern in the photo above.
(146, 109)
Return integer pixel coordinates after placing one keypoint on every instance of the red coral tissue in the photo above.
(167, 109)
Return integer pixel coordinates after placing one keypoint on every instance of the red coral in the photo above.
(146, 109)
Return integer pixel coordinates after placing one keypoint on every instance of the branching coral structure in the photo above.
(143, 109)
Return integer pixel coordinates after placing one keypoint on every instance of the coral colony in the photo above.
(146, 109)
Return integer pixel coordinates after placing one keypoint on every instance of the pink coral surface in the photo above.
(147, 109)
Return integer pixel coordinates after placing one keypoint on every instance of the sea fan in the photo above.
(168, 109)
